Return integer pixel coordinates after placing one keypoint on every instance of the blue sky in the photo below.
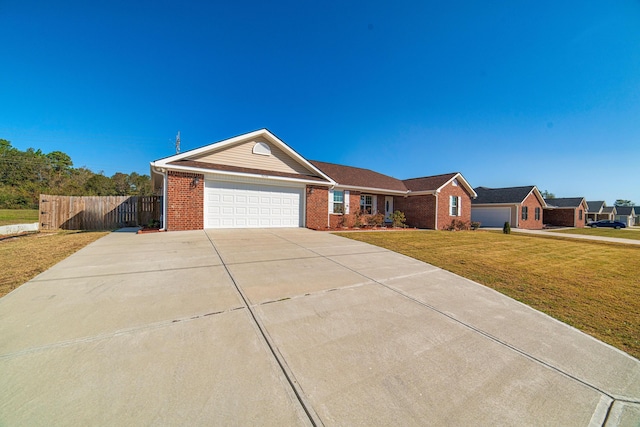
(508, 93)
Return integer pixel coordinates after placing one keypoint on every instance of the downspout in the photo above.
(164, 175)
(329, 208)
(436, 215)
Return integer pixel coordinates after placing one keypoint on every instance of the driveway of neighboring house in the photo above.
(580, 236)
(290, 327)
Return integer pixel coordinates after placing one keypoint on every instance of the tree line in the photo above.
(24, 175)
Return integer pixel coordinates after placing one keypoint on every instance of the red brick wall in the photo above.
(563, 217)
(580, 221)
(185, 201)
(531, 202)
(419, 211)
(317, 206)
(444, 218)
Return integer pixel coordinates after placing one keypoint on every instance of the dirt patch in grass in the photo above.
(604, 232)
(592, 286)
(24, 257)
(18, 216)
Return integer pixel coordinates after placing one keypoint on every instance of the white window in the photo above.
(338, 201)
(366, 203)
(454, 205)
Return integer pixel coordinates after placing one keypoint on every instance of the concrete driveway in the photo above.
(290, 327)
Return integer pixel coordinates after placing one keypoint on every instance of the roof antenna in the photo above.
(178, 143)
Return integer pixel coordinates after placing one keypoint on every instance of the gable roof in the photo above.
(208, 159)
(566, 202)
(508, 195)
(609, 210)
(188, 161)
(596, 207)
(432, 184)
(624, 210)
(361, 178)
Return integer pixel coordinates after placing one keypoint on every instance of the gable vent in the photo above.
(262, 148)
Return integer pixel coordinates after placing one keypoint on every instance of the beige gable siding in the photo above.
(242, 155)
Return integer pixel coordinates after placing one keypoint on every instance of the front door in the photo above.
(388, 208)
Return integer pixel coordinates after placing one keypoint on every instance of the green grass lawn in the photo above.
(18, 216)
(592, 286)
(42, 250)
(632, 233)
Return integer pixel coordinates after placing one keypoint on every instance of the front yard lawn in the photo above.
(592, 286)
(604, 232)
(18, 216)
(24, 257)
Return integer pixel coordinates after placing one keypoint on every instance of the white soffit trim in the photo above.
(370, 190)
(459, 177)
(248, 175)
(240, 138)
(495, 205)
(422, 193)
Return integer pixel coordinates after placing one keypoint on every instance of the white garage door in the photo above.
(491, 217)
(243, 205)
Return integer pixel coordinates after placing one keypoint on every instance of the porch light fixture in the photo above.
(196, 181)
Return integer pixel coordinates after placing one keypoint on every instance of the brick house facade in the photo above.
(567, 217)
(185, 201)
(522, 207)
(531, 213)
(566, 212)
(420, 211)
(255, 180)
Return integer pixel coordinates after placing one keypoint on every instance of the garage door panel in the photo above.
(243, 205)
(491, 217)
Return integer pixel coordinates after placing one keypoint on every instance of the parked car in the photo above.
(607, 223)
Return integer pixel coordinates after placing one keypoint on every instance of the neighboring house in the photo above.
(520, 206)
(565, 212)
(595, 210)
(608, 213)
(599, 210)
(626, 215)
(256, 180)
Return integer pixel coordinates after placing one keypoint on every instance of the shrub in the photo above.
(506, 229)
(398, 219)
(458, 225)
(375, 220)
(357, 222)
(475, 225)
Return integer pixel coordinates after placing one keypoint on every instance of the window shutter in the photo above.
(330, 201)
(346, 201)
(374, 204)
(459, 206)
(451, 205)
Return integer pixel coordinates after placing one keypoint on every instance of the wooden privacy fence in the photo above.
(97, 212)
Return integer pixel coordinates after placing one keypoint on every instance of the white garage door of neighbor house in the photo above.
(491, 217)
(244, 205)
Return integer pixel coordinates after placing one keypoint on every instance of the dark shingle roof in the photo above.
(596, 205)
(624, 210)
(357, 177)
(501, 195)
(428, 183)
(566, 202)
(608, 209)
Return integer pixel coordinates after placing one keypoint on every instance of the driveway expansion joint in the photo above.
(471, 327)
(109, 335)
(313, 417)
